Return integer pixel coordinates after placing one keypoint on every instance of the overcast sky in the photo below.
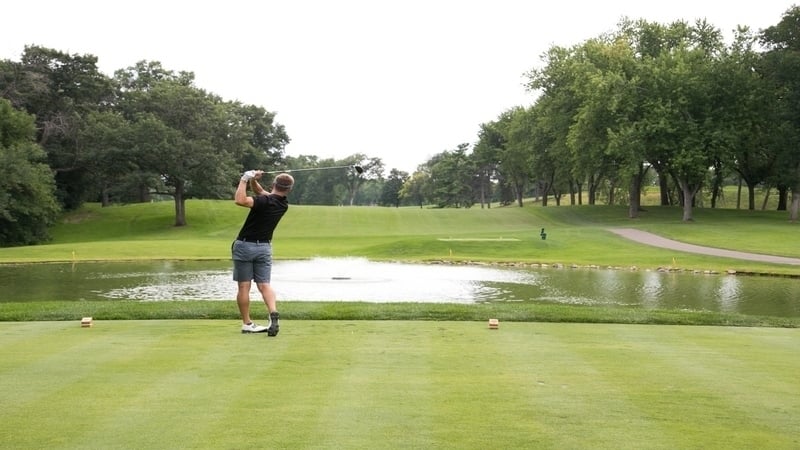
(399, 80)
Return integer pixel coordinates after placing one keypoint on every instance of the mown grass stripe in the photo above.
(398, 384)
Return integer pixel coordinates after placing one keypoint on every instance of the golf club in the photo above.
(358, 169)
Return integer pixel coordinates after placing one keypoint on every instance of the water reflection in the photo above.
(337, 279)
(728, 294)
(356, 279)
(651, 289)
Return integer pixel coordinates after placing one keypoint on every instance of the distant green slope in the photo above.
(575, 234)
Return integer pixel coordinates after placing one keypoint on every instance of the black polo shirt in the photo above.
(263, 217)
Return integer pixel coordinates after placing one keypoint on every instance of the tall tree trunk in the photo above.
(795, 196)
(548, 187)
(689, 192)
(663, 186)
(611, 192)
(545, 188)
(180, 205)
(143, 193)
(592, 190)
(484, 177)
(739, 194)
(571, 193)
(635, 193)
(766, 199)
(716, 187)
(783, 196)
(105, 198)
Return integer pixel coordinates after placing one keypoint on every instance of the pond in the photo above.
(357, 279)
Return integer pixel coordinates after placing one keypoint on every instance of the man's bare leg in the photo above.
(268, 294)
(243, 301)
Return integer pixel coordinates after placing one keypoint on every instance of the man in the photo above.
(252, 249)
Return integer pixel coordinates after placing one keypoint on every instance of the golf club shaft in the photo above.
(312, 168)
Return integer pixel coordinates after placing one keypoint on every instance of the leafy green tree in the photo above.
(340, 185)
(105, 141)
(486, 154)
(303, 191)
(390, 191)
(605, 129)
(748, 118)
(256, 139)
(556, 112)
(417, 187)
(186, 139)
(673, 125)
(372, 170)
(515, 157)
(452, 173)
(60, 89)
(27, 201)
(782, 70)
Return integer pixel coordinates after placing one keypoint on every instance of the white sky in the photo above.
(399, 80)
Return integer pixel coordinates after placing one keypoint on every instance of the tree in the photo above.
(27, 201)
(782, 70)
(372, 169)
(186, 139)
(748, 117)
(516, 158)
(59, 89)
(256, 139)
(390, 192)
(678, 125)
(104, 140)
(416, 188)
(486, 154)
(452, 173)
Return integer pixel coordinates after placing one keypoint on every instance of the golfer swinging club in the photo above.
(252, 250)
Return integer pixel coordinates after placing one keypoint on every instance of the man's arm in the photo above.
(241, 198)
(256, 187)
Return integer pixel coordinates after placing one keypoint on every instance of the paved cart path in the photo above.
(657, 241)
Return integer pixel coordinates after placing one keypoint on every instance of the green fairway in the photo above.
(424, 375)
(575, 235)
(397, 384)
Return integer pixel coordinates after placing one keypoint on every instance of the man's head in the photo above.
(283, 183)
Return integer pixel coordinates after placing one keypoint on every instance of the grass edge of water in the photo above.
(295, 310)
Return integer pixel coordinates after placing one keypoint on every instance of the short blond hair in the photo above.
(283, 182)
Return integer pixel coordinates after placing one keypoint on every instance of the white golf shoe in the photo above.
(253, 328)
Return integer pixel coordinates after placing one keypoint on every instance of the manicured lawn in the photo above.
(575, 235)
(423, 376)
(397, 384)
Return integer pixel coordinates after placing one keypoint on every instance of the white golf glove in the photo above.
(249, 175)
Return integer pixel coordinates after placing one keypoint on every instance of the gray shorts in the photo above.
(252, 261)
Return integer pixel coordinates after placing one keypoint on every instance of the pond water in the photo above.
(356, 279)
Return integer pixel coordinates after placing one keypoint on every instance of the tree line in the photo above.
(668, 104)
